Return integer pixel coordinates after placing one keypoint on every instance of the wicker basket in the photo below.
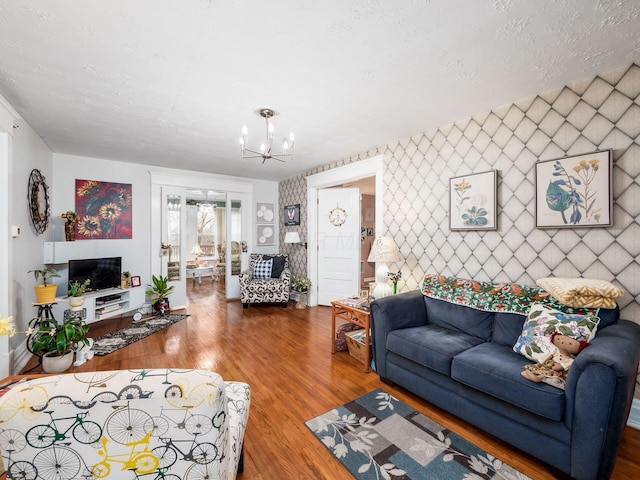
(355, 343)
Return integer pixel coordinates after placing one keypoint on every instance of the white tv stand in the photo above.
(100, 307)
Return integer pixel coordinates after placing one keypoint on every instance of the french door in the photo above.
(173, 237)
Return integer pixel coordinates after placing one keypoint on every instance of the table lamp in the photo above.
(383, 250)
(196, 250)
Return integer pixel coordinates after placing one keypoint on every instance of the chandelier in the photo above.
(266, 148)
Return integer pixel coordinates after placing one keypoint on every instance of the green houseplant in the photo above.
(56, 343)
(159, 291)
(300, 284)
(45, 293)
(76, 293)
(77, 289)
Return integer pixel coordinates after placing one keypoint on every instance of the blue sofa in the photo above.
(462, 360)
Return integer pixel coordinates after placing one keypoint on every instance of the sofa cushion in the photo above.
(432, 346)
(262, 269)
(507, 327)
(459, 318)
(608, 316)
(279, 262)
(495, 370)
(535, 340)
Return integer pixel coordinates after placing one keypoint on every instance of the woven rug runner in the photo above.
(118, 339)
(377, 437)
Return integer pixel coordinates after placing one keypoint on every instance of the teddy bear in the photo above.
(553, 367)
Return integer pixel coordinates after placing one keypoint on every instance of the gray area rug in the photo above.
(377, 436)
(118, 339)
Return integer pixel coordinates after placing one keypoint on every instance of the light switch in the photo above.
(15, 231)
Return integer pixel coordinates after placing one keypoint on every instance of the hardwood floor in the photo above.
(284, 354)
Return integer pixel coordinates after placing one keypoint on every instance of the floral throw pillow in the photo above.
(262, 269)
(535, 340)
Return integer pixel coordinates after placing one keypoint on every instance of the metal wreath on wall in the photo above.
(39, 210)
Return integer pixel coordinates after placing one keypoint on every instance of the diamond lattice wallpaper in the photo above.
(594, 114)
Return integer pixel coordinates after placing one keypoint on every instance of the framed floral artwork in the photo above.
(266, 235)
(265, 213)
(473, 201)
(104, 210)
(575, 191)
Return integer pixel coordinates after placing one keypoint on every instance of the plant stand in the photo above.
(45, 311)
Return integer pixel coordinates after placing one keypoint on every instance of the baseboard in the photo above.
(634, 415)
(21, 357)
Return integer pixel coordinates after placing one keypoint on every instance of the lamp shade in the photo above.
(196, 250)
(384, 249)
(292, 237)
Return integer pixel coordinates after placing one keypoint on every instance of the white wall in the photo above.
(136, 253)
(28, 151)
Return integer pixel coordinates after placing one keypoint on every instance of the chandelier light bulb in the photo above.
(266, 148)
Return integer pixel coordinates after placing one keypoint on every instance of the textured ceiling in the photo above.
(171, 83)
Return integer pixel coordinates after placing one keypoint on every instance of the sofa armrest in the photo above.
(599, 391)
(391, 313)
(245, 277)
(285, 276)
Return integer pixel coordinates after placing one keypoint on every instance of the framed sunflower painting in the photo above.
(104, 210)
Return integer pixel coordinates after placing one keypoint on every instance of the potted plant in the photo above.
(56, 343)
(159, 292)
(76, 293)
(45, 293)
(300, 284)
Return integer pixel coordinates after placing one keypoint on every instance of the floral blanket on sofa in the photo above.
(493, 297)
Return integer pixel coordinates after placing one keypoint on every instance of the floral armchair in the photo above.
(264, 284)
(170, 423)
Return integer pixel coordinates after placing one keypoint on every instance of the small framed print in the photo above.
(574, 192)
(265, 213)
(265, 235)
(135, 281)
(292, 215)
(473, 201)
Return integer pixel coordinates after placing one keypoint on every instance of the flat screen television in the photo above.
(104, 273)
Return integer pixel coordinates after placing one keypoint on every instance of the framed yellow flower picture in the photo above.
(473, 201)
(574, 192)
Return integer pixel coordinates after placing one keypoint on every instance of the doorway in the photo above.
(372, 167)
(235, 227)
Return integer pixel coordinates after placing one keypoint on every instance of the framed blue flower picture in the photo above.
(473, 201)
(575, 191)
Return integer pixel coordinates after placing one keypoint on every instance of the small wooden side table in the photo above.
(357, 317)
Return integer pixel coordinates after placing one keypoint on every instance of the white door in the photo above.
(173, 233)
(338, 244)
